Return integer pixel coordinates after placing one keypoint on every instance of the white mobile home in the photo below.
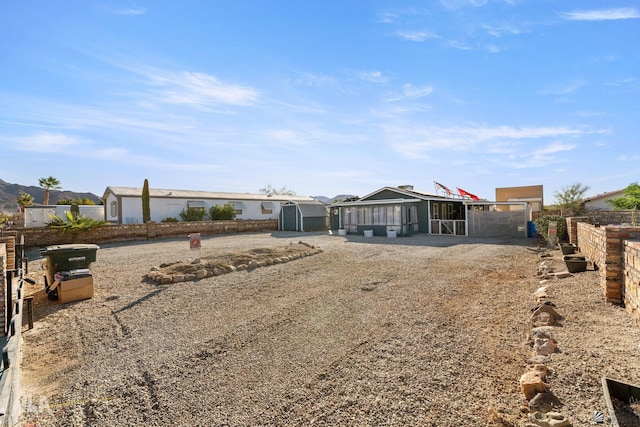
(123, 205)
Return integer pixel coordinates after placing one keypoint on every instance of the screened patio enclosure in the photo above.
(380, 216)
(402, 210)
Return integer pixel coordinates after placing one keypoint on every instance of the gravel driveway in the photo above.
(423, 330)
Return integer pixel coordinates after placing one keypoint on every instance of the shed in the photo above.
(303, 216)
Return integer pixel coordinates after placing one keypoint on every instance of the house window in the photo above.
(379, 215)
(436, 211)
(267, 208)
(114, 209)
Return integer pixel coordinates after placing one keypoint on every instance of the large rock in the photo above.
(532, 381)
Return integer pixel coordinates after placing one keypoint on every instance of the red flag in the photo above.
(443, 188)
(467, 194)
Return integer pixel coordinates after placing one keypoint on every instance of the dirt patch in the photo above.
(424, 330)
(232, 261)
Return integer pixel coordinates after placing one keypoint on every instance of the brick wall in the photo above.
(632, 279)
(3, 277)
(605, 247)
(44, 236)
(9, 238)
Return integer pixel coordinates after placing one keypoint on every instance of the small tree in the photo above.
(571, 197)
(222, 213)
(48, 184)
(146, 202)
(271, 191)
(629, 200)
(24, 200)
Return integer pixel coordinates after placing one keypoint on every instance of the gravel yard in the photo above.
(423, 330)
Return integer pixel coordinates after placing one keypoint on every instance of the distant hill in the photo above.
(328, 201)
(10, 192)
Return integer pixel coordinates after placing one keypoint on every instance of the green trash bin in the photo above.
(67, 258)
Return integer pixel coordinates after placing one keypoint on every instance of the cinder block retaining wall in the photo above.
(45, 236)
(607, 247)
(632, 279)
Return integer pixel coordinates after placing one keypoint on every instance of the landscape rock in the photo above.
(550, 419)
(532, 381)
(545, 346)
(544, 402)
(545, 315)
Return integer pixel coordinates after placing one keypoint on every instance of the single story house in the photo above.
(402, 211)
(123, 205)
(599, 202)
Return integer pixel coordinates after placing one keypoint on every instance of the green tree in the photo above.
(629, 200)
(222, 213)
(570, 197)
(84, 201)
(48, 184)
(271, 191)
(24, 200)
(146, 202)
(192, 214)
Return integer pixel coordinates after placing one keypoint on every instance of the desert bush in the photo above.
(221, 213)
(192, 214)
(73, 222)
(542, 227)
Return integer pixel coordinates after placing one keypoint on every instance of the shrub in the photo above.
(170, 219)
(222, 213)
(73, 222)
(542, 227)
(192, 214)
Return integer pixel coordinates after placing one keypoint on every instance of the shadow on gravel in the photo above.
(423, 239)
(139, 300)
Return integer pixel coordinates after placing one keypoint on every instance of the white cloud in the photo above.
(501, 30)
(373, 76)
(132, 11)
(457, 44)
(411, 91)
(566, 89)
(45, 142)
(200, 89)
(416, 142)
(417, 36)
(555, 148)
(603, 14)
(491, 48)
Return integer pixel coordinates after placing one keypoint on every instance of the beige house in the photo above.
(600, 202)
(532, 194)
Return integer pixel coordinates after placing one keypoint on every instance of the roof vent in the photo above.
(405, 187)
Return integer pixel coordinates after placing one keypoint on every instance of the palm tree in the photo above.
(48, 184)
(23, 200)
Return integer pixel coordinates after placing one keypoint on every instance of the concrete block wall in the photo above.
(632, 279)
(44, 236)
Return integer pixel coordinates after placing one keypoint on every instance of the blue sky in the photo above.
(324, 97)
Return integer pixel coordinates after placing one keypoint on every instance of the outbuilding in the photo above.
(303, 215)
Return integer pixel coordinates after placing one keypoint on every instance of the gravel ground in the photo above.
(424, 330)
